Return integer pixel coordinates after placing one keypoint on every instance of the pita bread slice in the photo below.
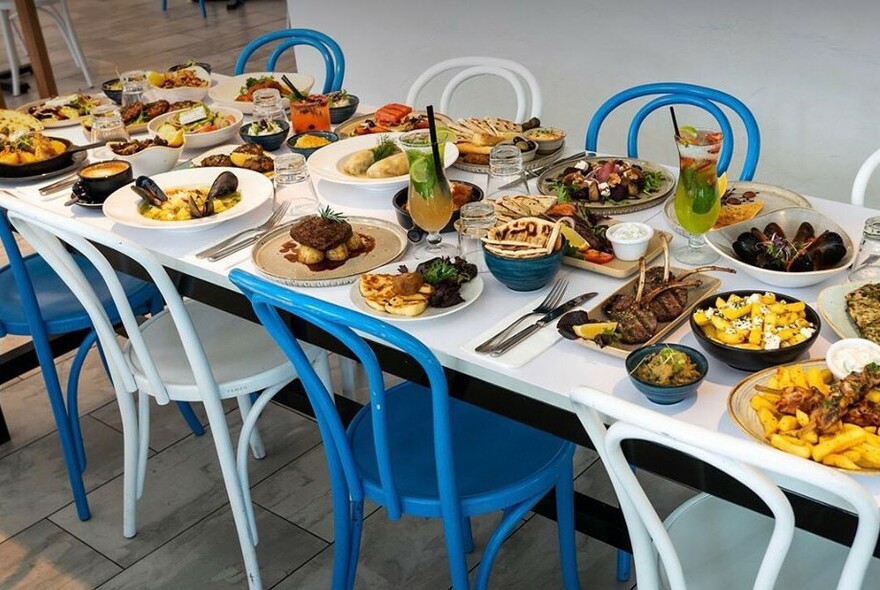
(15, 123)
(528, 230)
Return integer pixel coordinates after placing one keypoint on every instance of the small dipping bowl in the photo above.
(343, 113)
(113, 90)
(101, 179)
(629, 239)
(270, 142)
(851, 355)
(308, 151)
(666, 394)
(549, 139)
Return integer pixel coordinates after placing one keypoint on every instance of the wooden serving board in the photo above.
(617, 268)
(620, 350)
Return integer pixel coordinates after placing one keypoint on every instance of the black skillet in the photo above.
(62, 160)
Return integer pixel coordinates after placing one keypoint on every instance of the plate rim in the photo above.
(333, 282)
(343, 133)
(248, 107)
(357, 299)
(825, 294)
(102, 100)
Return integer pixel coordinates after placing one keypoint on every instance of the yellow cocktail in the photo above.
(697, 200)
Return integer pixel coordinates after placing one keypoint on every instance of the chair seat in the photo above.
(61, 310)
(492, 453)
(242, 355)
(721, 545)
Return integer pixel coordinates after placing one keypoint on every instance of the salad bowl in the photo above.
(202, 133)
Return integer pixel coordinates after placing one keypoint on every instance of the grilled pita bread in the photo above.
(517, 206)
(14, 124)
(528, 237)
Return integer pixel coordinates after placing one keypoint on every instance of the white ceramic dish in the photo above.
(860, 351)
(788, 219)
(226, 149)
(469, 292)
(226, 91)
(183, 93)
(122, 206)
(326, 163)
(147, 162)
(831, 304)
(626, 248)
(204, 140)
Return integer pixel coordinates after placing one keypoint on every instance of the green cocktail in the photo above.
(697, 199)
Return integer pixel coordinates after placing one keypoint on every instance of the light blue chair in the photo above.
(672, 93)
(413, 449)
(35, 302)
(334, 61)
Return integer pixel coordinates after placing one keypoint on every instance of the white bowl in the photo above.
(225, 91)
(869, 352)
(182, 93)
(629, 248)
(547, 145)
(147, 162)
(204, 140)
(788, 219)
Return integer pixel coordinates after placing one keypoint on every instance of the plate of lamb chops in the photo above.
(645, 309)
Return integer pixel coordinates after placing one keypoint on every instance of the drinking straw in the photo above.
(297, 95)
(432, 128)
(674, 122)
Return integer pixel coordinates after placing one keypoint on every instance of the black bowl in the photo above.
(753, 360)
(405, 220)
(344, 113)
(101, 179)
(306, 152)
(203, 65)
(271, 142)
(112, 94)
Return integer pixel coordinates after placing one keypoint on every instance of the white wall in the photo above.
(807, 69)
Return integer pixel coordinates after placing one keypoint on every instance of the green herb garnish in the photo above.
(330, 214)
(653, 180)
(440, 271)
(563, 191)
(386, 147)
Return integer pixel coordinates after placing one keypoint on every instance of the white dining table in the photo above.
(548, 378)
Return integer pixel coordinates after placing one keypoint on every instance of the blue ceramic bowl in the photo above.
(341, 114)
(114, 94)
(524, 274)
(666, 394)
(291, 141)
(270, 143)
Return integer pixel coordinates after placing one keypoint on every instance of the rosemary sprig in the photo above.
(331, 215)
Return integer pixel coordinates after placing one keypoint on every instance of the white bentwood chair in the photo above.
(61, 15)
(710, 543)
(188, 352)
(528, 104)
(860, 184)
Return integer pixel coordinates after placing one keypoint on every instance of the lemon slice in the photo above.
(722, 184)
(575, 239)
(590, 331)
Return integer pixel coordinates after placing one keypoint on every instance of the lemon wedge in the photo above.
(575, 239)
(722, 184)
(590, 331)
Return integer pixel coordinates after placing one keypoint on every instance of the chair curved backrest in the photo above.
(860, 184)
(268, 298)
(672, 93)
(527, 105)
(334, 60)
(753, 464)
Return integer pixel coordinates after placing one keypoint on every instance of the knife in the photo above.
(528, 174)
(548, 317)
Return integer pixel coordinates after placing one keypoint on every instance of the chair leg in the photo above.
(357, 527)
(11, 50)
(190, 417)
(455, 552)
(565, 527)
(73, 41)
(244, 407)
(343, 577)
(130, 438)
(143, 443)
(624, 565)
(202, 8)
(349, 369)
(73, 394)
(467, 535)
(511, 518)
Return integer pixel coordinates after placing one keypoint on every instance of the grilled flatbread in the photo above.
(528, 237)
(517, 206)
(14, 124)
(380, 293)
(731, 214)
(863, 306)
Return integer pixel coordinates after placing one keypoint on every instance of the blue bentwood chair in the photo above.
(35, 302)
(413, 449)
(334, 61)
(672, 93)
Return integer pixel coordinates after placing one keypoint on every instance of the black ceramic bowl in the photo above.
(203, 65)
(405, 220)
(753, 360)
(666, 394)
(344, 113)
(101, 179)
(114, 94)
(271, 142)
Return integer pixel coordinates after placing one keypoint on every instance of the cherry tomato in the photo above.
(597, 256)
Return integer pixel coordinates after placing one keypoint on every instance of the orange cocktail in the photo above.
(310, 114)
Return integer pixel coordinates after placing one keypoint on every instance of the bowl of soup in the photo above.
(101, 179)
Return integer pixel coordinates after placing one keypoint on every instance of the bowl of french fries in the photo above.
(752, 330)
(804, 410)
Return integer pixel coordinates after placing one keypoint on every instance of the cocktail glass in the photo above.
(310, 114)
(430, 196)
(697, 200)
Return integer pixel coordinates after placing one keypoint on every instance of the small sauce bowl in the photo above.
(629, 239)
(851, 355)
(101, 179)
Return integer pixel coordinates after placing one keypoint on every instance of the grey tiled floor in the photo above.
(185, 537)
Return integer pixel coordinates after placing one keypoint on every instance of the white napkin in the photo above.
(31, 193)
(526, 350)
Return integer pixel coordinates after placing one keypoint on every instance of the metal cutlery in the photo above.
(549, 317)
(554, 296)
(529, 174)
(235, 243)
(59, 185)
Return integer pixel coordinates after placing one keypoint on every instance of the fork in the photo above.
(268, 224)
(550, 301)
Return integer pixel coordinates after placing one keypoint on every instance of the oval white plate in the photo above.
(226, 91)
(832, 307)
(204, 140)
(325, 163)
(469, 292)
(122, 205)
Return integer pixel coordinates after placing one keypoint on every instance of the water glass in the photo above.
(107, 124)
(134, 87)
(474, 222)
(506, 167)
(293, 184)
(866, 266)
(267, 105)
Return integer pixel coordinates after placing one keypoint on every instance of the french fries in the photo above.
(852, 447)
(756, 322)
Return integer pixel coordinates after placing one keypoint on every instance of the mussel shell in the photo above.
(831, 247)
(225, 184)
(746, 247)
(805, 232)
(147, 188)
(774, 228)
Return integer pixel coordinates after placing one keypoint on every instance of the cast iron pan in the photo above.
(62, 160)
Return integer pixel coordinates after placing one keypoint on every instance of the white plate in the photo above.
(225, 92)
(469, 292)
(326, 162)
(204, 140)
(832, 307)
(182, 92)
(225, 149)
(122, 206)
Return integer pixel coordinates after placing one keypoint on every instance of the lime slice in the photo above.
(688, 132)
(419, 171)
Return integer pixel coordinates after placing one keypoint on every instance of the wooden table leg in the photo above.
(36, 47)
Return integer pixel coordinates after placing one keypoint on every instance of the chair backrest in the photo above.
(49, 234)
(334, 61)
(860, 184)
(474, 66)
(753, 464)
(268, 298)
(672, 93)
